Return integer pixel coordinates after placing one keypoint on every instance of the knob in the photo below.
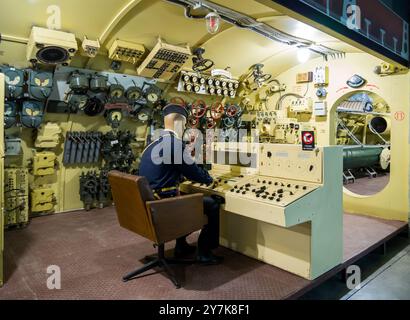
(271, 198)
(232, 190)
(264, 181)
(270, 182)
(304, 188)
(258, 196)
(264, 197)
(253, 190)
(278, 200)
(276, 183)
(244, 192)
(297, 187)
(289, 185)
(238, 191)
(280, 191)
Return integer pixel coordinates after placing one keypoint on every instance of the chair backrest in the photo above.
(130, 194)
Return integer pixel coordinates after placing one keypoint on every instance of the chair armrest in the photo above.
(173, 218)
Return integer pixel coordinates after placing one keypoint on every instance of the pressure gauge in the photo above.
(202, 81)
(230, 85)
(236, 85)
(116, 91)
(210, 82)
(211, 90)
(225, 92)
(186, 78)
(41, 79)
(32, 114)
(40, 85)
(219, 91)
(232, 94)
(144, 115)
(194, 79)
(114, 117)
(197, 88)
(14, 77)
(188, 87)
(152, 97)
(224, 84)
(133, 94)
(153, 94)
(217, 83)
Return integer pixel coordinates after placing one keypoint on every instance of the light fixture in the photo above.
(303, 55)
(213, 22)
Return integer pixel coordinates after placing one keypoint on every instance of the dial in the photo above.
(202, 81)
(144, 115)
(186, 78)
(116, 91)
(217, 82)
(197, 88)
(152, 97)
(194, 79)
(12, 78)
(134, 94)
(210, 82)
(42, 79)
(188, 87)
(115, 116)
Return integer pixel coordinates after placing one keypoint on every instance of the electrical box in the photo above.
(13, 146)
(320, 109)
(48, 136)
(165, 61)
(321, 76)
(126, 51)
(302, 105)
(44, 163)
(90, 48)
(304, 77)
(42, 200)
(51, 46)
(16, 196)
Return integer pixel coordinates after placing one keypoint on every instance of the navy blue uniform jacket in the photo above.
(163, 163)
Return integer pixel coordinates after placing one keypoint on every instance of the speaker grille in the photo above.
(52, 55)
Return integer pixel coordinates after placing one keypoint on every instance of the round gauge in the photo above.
(224, 84)
(210, 82)
(211, 90)
(226, 92)
(232, 94)
(230, 85)
(197, 88)
(115, 116)
(217, 82)
(116, 91)
(236, 85)
(144, 115)
(202, 81)
(13, 78)
(194, 79)
(186, 78)
(188, 87)
(219, 91)
(42, 79)
(152, 97)
(152, 94)
(133, 94)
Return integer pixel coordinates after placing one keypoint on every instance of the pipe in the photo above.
(381, 125)
(9, 38)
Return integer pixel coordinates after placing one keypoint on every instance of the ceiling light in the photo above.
(213, 22)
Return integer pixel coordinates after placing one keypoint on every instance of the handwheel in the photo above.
(232, 111)
(199, 109)
(217, 110)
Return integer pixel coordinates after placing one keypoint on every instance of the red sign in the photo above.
(308, 140)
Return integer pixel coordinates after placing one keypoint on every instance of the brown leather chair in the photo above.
(160, 221)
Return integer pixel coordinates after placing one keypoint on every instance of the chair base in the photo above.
(159, 261)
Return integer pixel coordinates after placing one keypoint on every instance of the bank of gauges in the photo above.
(207, 85)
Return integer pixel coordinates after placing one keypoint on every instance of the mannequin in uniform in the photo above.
(164, 165)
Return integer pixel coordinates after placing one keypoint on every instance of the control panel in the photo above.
(278, 192)
(226, 182)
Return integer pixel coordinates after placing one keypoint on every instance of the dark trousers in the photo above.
(209, 237)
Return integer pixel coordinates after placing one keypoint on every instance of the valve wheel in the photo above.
(232, 111)
(210, 123)
(199, 108)
(217, 110)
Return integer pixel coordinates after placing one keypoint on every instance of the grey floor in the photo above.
(385, 275)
